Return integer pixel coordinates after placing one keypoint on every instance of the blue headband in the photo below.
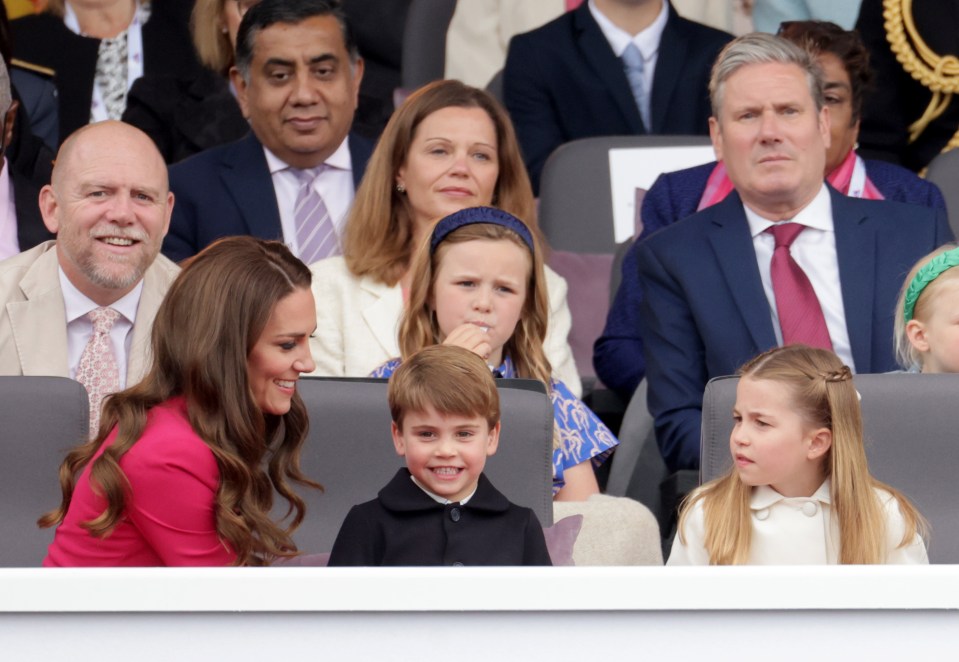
(474, 215)
(928, 273)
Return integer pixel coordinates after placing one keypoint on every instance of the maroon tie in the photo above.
(800, 315)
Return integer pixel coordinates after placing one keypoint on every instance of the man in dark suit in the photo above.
(569, 78)
(713, 296)
(297, 78)
(25, 168)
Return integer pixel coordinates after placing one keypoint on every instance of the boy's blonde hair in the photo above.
(909, 357)
(823, 394)
(449, 379)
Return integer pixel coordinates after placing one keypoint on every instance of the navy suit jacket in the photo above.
(705, 313)
(562, 82)
(228, 191)
(618, 353)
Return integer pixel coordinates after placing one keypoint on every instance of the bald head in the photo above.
(109, 204)
(109, 135)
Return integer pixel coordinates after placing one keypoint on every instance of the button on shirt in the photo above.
(334, 185)
(814, 250)
(646, 41)
(79, 328)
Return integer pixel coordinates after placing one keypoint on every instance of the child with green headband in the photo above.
(927, 314)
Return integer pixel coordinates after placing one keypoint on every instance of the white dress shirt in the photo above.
(814, 250)
(9, 242)
(796, 531)
(334, 186)
(647, 41)
(80, 328)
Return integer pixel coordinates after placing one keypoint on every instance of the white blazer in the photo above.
(357, 324)
(796, 531)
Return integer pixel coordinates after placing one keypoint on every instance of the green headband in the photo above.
(928, 273)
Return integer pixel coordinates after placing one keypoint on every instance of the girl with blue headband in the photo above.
(927, 314)
(477, 282)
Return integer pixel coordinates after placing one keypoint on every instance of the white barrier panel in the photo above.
(464, 614)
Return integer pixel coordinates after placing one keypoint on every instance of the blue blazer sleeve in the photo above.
(675, 362)
(618, 352)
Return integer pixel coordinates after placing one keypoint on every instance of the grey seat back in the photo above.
(911, 442)
(576, 205)
(349, 451)
(944, 172)
(424, 42)
(42, 418)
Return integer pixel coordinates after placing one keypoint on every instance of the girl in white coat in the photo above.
(799, 491)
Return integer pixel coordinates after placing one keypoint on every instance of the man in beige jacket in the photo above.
(109, 205)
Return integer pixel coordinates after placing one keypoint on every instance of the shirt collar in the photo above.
(339, 160)
(442, 500)
(77, 304)
(817, 215)
(764, 496)
(647, 41)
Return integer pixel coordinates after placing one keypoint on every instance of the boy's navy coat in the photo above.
(404, 526)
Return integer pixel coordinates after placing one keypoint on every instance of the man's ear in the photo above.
(241, 90)
(398, 442)
(48, 209)
(716, 136)
(9, 122)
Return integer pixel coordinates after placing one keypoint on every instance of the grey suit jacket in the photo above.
(33, 329)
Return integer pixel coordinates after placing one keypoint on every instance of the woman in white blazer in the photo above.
(448, 147)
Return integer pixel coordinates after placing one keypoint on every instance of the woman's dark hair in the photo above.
(825, 37)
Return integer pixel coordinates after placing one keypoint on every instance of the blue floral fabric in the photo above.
(581, 435)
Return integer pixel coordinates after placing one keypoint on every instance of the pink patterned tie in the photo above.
(315, 232)
(98, 370)
(800, 315)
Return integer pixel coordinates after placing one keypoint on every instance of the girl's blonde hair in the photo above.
(378, 237)
(824, 395)
(909, 357)
(419, 329)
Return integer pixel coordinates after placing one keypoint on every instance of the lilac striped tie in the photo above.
(315, 232)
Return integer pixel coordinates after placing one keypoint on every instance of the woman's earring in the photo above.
(400, 188)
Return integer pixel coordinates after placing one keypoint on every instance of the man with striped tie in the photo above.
(297, 77)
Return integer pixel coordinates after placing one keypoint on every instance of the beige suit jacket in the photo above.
(33, 328)
(357, 320)
(480, 30)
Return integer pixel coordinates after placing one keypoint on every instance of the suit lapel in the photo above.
(673, 48)
(601, 59)
(39, 323)
(856, 254)
(733, 247)
(360, 151)
(382, 311)
(246, 176)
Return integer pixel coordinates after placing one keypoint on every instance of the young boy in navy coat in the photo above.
(441, 509)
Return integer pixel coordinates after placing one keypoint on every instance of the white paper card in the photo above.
(638, 167)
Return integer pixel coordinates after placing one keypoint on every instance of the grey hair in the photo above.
(6, 95)
(763, 48)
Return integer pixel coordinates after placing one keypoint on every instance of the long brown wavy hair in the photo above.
(206, 326)
(823, 393)
(378, 238)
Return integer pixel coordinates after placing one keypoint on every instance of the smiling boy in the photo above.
(441, 509)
